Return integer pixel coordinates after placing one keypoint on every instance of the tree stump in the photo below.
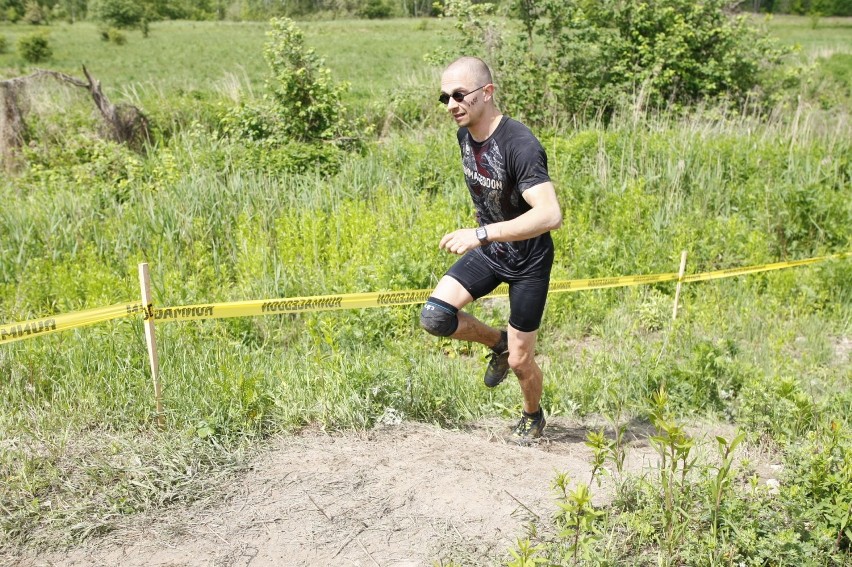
(123, 123)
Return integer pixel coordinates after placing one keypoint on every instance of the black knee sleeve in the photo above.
(439, 318)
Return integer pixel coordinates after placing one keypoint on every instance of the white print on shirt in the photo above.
(486, 178)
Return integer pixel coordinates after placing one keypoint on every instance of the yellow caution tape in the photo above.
(37, 327)
(47, 325)
(384, 299)
(731, 272)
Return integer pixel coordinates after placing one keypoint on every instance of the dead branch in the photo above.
(124, 123)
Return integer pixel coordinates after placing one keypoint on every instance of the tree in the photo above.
(117, 13)
(575, 57)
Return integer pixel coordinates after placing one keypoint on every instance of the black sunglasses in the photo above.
(457, 96)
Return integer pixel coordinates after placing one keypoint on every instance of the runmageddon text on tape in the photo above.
(37, 327)
(47, 325)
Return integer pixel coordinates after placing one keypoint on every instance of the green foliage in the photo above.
(818, 481)
(35, 48)
(116, 36)
(117, 13)
(525, 554)
(576, 521)
(580, 58)
(4, 44)
(303, 103)
(812, 8)
(677, 461)
(12, 15)
(35, 14)
(306, 99)
(375, 10)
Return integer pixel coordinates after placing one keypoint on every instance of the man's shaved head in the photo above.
(473, 67)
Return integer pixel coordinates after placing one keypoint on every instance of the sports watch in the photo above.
(482, 235)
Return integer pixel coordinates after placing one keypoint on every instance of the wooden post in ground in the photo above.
(679, 283)
(150, 338)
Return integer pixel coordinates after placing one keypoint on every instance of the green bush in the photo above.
(116, 36)
(35, 48)
(4, 44)
(303, 103)
(375, 10)
(35, 14)
(117, 13)
(575, 57)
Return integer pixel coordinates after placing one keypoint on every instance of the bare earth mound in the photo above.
(403, 495)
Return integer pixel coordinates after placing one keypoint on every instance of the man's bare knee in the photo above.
(521, 362)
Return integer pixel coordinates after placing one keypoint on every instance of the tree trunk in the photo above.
(125, 123)
(11, 124)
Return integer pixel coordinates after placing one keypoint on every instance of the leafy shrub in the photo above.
(576, 57)
(117, 13)
(303, 103)
(34, 14)
(35, 48)
(116, 36)
(291, 157)
(307, 100)
(3, 44)
(375, 10)
(12, 15)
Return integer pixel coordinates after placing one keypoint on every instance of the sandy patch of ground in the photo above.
(405, 495)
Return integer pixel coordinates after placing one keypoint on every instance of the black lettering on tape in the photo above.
(27, 329)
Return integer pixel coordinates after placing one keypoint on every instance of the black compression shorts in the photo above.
(527, 292)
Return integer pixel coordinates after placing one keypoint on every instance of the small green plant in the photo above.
(576, 519)
(35, 48)
(674, 446)
(601, 449)
(722, 480)
(525, 554)
(4, 44)
(116, 36)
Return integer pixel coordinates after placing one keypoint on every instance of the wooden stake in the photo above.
(679, 283)
(150, 338)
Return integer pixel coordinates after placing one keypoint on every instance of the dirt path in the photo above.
(403, 495)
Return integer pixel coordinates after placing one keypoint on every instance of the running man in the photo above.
(505, 168)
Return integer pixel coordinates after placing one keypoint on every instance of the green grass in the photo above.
(829, 35)
(76, 408)
(374, 56)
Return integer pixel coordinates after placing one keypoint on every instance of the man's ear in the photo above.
(489, 91)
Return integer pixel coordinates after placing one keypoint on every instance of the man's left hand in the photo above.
(460, 241)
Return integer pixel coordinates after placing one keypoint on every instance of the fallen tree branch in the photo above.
(124, 123)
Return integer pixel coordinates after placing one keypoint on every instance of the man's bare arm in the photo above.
(545, 215)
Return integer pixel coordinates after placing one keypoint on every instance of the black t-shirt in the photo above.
(498, 171)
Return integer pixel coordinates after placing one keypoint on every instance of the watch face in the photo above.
(481, 233)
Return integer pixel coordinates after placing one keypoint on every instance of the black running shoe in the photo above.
(529, 427)
(498, 368)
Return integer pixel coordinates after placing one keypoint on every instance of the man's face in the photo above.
(470, 109)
